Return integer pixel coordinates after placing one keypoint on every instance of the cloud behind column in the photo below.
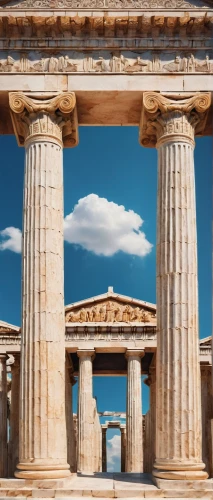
(10, 239)
(105, 228)
(97, 225)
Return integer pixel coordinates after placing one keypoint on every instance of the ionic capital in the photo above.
(166, 119)
(35, 118)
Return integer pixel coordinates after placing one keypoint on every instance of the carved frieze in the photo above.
(126, 62)
(110, 311)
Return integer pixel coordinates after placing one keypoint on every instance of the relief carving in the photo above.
(110, 312)
(108, 62)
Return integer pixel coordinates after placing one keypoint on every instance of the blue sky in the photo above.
(110, 164)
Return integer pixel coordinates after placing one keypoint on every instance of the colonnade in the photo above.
(134, 435)
(170, 125)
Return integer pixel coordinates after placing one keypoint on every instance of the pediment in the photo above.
(106, 4)
(7, 328)
(111, 308)
(207, 341)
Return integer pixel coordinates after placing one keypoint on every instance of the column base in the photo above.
(179, 475)
(36, 471)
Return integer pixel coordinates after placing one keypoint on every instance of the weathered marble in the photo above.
(171, 126)
(85, 412)
(104, 448)
(43, 448)
(13, 445)
(3, 416)
(134, 438)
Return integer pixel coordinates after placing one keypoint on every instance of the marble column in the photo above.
(85, 412)
(40, 125)
(134, 437)
(71, 445)
(14, 416)
(3, 416)
(104, 448)
(123, 447)
(171, 125)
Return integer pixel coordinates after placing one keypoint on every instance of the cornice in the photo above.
(104, 25)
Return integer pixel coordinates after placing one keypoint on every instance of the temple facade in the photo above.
(65, 64)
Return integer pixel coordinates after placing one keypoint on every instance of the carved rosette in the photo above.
(34, 119)
(165, 120)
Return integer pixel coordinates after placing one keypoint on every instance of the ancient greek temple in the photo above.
(66, 64)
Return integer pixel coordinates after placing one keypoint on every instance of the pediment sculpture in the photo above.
(110, 312)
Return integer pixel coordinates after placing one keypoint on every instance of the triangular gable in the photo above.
(207, 341)
(111, 307)
(8, 328)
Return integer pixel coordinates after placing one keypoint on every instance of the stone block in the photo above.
(103, 493)
(41, 493)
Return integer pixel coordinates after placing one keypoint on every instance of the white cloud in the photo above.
(11, 239)
(103, 227)
(98, 225)
(113, 451)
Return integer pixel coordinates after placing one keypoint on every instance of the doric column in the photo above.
(104, 448)
(42, 126)
(85, 411)
(171, 125)
(123, 447)
(134, 437)
(71, 445)
(3, 416)
(14, 416)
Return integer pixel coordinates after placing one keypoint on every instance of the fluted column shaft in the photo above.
(178, 410)
(3, 416)
(134, 437)
(14, 416)
(172, 123)
(85, 412)
(42, 446)
(104, 449)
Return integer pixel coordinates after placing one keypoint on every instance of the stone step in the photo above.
(65, 494)
(184, 494)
